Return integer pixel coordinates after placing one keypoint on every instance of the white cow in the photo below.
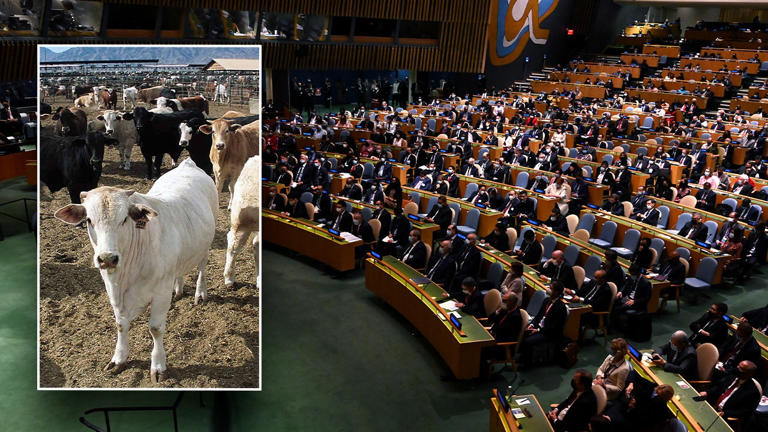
(85, 101)
(121, 127)
(245, 215)
(144, 245)
(162, 106)
(220, 93)
(130, 94)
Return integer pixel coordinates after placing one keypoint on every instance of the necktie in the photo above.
(721, 400)
(300, 172)
(338, 221)
(589, 296)
(432, 271)
(408, 252)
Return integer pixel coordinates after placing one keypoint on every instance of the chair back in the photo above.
(368, 170)
(495, 273)
(431, 203)
(534, 304)
(429, 252)
(676, 425)
(587, 221)
(712, 228)
(684, 253)
(591, 266)
(491, 301)
(627, 208)
(706, 356)
(654, 257)
(415, 197)
(521, 236)
(614, 291)
(522, 179)
(310, 210)
(524, 319)
(706, 270)
(512, 237)
(572, 221)
(375, 227)
(758, 211)
(573, 153)
(683, 219)
(608, 232)
(579, 275)
(367, 213)
(473, 218)
(581, 234)
(688, 201)
(631, 239)
(548, 243)
(571, 254)
(600, 395)
(642, 151)
(607, 158)
(411, 209)
(306, 197)
(456, 209)
(730, 202)
(685, 264)
(648, 122)
(663, 216)
(471, 188)
(586, 171)
(657, 244)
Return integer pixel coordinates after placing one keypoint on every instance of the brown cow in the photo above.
(232, 146)
(108, 99)
(149, 94)
(69, 121)
(195, 102)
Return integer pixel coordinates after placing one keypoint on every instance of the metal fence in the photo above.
(57, 83)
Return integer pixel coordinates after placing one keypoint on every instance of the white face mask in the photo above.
(412, 239)
(355, 221)
(650, 206)
(465, 291)
(467, 241)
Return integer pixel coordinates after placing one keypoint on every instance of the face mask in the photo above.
(467, 241)
(650, 206)
(552, 218)
(339, 210)
(412, 239)
(730, 235)
(584, 151)
(465, 291)
(730, 219)
(542, 159)
(355, 221)
(450, 171)
(706, 173)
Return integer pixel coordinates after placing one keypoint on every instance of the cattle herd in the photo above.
(145, 244)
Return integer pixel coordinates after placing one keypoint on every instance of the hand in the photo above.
(630, 302)
(704, 333)
(720, 413)
(618, 295)
(703, 394)
(553, 414)
(460, 305)
(568, 291)
(628, 390)
(599, 381)
(660, 362)
(445, 294)
(577, 298)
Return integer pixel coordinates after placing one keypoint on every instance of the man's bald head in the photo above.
(746, 369)
(600, 275)
(557, 256)
(679, 338)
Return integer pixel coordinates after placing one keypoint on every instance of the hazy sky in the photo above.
(58, 48)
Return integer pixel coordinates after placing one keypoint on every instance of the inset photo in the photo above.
(150, 191)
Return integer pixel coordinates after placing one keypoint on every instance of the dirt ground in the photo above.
(213, 345)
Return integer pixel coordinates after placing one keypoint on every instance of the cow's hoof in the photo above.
(199, 300)
(229, 283)
(156, 377)
(178, 295)
(114, 368)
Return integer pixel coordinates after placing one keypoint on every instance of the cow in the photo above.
(159, 134)
(198, 144)
(162, 106)
(78, 91)
(130, 94)
(244, 220)
(108, 99)
(232, 146)
(69, 121)
(120, 126)
(72, 162)
(144, 245)
(195, 102)
(45, 108)
(147, 95)
(85, 101)
(220, 93)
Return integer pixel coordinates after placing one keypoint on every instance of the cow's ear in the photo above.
(234, 127)
(127, 116)
(71, 214)
(101, 117)
(206, 129)
(141, 214)
(45, 117)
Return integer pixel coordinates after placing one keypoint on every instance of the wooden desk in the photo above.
(671, 51)
(735, 77)
(739, 54)
(579, 78)
(501, 421)
(749, 105)
(697, 416)
(708, 64)
(427, 229)
(390, 279)
(671, 241)
(587, 90)
(701, 102)
(718, 90)
(303, 236)
(14, 164)
(544, 204)
(721, 195)
(488, 216)
(608, 68)
(761, 93)
(650, 59)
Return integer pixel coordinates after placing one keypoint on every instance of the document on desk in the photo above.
(349, 237)
(449, 305)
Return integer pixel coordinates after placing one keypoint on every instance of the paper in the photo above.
(518, 413)
(683, 385)
(449, 305)
(294, 184)
(349, 237)
(524, 401)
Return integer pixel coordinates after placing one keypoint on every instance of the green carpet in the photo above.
(335, 358)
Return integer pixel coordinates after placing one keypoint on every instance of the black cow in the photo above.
(45, 108)
(198, 144)
(72, 162)
(70, 121)
(82, 90)
(159, 134)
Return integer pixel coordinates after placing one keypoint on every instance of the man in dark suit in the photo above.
(736, 395)
(472, 301)
(440, 214)
(352, 190)
(726, 229)
(742, 346)
(573, 414)
(557, 222)
(479, 197)
(442, 266)
(613, 205)
(638, 201)
(705, 198)
(363, 230)
(453, 182)
(498, 238)
(382, 215)
(275, 201)
(557, 269)
(547, 326)
(745, 212)
(435, 158)
(341, 219)
(421, 181)
(304, 174)
(530, 249)
(650, 215)
(374, 194)
(695, 229)
(635, 292)
(323, 204)
(416, 254)
(742, 186)
(711, 327)
(10, 120)
(283, 176)
(520, 209)
(469, 169)
(613, 271)
(596, 293)
(673, 270)
(295, 208)
(622, 183)
(680, 356)
(644, 408)
(468, 264)
(642, 163)
(382, 170)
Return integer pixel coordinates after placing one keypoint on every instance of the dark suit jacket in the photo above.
(472, 170)
(652, 219)
(733, 353)
(297, 211)
(642, 290)
(560, 226)
(364, 231)
(676, 272)
(742, 402)
(354, 192)
(468, 261)
(373, 195)
(505, 325)
(441, 216)
(524, 208)
(600, 299)
(578, 415)
(708, 203)
(685, 364)
(278, 202)
(344, 221)
(307, 174)
(700, 232)
(417, 255)
(553, 326)
(757, 317)
(718, 331)
(565, 275)
(474, 305)
(385, 218)
(446, 268)
(500, 242)
(400, 229)
(387, 173)
(531, 252)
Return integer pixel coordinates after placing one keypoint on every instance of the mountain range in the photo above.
(166, 55)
